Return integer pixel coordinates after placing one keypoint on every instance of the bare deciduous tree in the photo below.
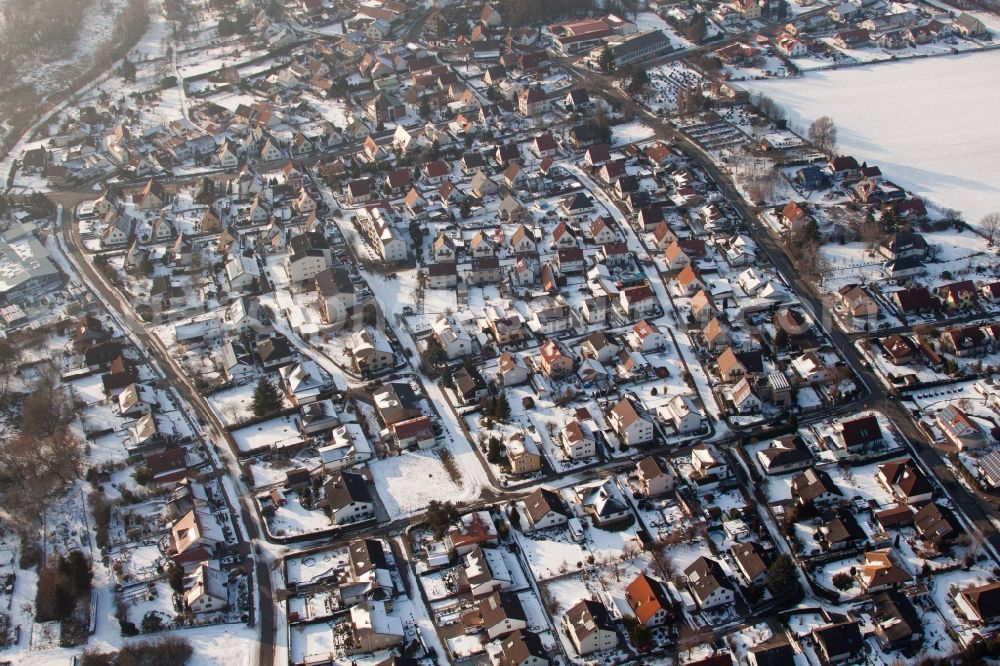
(661, 563)
(990, 226)
(871, 235)
(823, 134)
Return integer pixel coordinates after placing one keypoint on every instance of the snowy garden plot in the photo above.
(66, 523)
(944, 586)
(632, 132)
(408, 482)
(291, 518)
(234, 405)
(651, 21)
(310, 568)
(278, 433)
(138, 562)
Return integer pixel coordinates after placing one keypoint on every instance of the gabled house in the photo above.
(787, 453)
(838, 643)
(452, 337)
(905, 481)
(709, 584)
(749, 559)
(655, 476)
(980, 604)
(859, 434)
(898, 624)
(638, 302)
(590, 628)
(960, 429)
(881, 572)
(649, 600)
(348, 498)
(632, 428)
(206, 591)
(545, 508)
(577, 441)
(604, 503)
(523, 648)
(682, 412)
(841, 532)
(502, 614)
(816, 487)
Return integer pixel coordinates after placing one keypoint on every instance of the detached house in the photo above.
(859, 434)
(649, 600)
(545, 509)
(709, 584)
(980, 604)
(655, 476)
(309, 255)
(590, 628)
(958, 295)
(502, 614)
(532, 102)
(815, 486)
(632, 428)
(348, 498)
(838, 643)
(577, 441)
(905, 481)
(554, 361)
(452, 337)
(638, 302)
(959, 429)
(523, 241)
(523, 648)
(880, 572)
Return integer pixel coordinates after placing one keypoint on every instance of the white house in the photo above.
(590, 628)
(708, 584)
(348, 446)
(543, 509)
(577, 441)
(632, 428)
(348, 498)
(452, 337)
(683, 413)
(646, 337)
(242, 272)
(207, 592)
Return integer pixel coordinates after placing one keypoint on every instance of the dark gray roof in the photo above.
(344, 488)
(274, 348)
(501, 606)
(367, 554)
(309, 243)
(637, 42)
(333, 282)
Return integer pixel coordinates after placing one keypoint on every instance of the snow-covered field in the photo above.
(407, 483)
(930, 124)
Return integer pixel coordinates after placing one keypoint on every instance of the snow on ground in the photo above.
(234, 405)
(408, 482)
(293, 519)
(276, 432)
(632, 132)
(650, 21)
(938, 145)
